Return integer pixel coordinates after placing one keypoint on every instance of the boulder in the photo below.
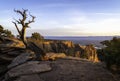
(53, 56)
(91, 53)
(32, 67)
(24, 57)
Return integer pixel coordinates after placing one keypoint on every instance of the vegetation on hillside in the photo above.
(37, 36)
(5, 32)
(111, 53)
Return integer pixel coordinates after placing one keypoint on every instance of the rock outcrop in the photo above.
(54, 56)
(66, 69)
(70, 49)
(12, 42)
(28, 68)
(55, 46)
(19, 64)
(22, 58)
(91, 53)
(32, 77)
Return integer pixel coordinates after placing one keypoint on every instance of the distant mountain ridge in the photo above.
(81, 37)
(83, 40)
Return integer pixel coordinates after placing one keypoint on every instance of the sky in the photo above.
(65, 17)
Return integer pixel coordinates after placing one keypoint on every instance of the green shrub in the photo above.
(112, 52)
(37, 36)
(5, 32)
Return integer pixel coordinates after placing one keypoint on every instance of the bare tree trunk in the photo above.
(23, 36)
(25, 24)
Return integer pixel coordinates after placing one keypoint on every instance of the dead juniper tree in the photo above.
(24, 24)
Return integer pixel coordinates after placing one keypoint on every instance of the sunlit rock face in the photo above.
(91, 53)
(68, 43)
(88, 52)
(56, 46)
(19, 64)
(59, 46)
(70, 49)
(12, 42)
(54, 56)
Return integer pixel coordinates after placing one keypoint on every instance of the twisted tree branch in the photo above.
(17, 28)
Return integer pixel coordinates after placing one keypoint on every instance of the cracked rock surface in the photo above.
(65, 69)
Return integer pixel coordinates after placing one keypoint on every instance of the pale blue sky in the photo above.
(66, 17)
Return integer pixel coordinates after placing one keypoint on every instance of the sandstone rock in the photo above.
(7, 54)
(70, 49)
(68, 43)
(53, 56)
(88, 52)
(66, 69)
(74, 69)
(24, 57)
(28, 68)
(78, 50)
(75, 58)
(77, 54)
(33, 77)
(47, 47)
(91, 53)
(12, 42)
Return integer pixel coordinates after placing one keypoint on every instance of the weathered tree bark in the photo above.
(23, 36)
(22, 33)
(24, 23)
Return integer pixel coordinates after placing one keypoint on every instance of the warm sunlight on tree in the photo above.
(24, 23)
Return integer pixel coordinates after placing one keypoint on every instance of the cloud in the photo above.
(72, 23)
(55, 32)
(106, 25)
(98, 28)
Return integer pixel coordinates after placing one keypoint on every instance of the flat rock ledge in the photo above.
(65, 69)
(33, 77)
(32, 67)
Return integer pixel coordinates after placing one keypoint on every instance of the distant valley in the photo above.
(83, 40)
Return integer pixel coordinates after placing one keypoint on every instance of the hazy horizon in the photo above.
(66, 17)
